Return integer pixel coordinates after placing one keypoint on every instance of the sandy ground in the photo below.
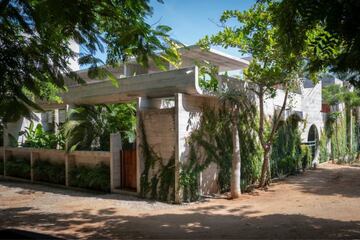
(322, 203)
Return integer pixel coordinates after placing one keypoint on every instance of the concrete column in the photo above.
(32, 161)
(56, 120)
(56, 124)
(115, 148)
(69, 161)
(139, 163)
(179, 145)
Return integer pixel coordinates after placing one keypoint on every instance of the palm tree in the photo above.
(235, 101)
(89, 127)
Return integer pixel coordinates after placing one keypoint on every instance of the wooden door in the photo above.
(128, 169)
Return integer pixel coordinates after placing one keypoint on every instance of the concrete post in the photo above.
(138, 144)
(179, 145)
(33, 157)
(115, 148)
(68, 163)
(56, 124)
(56, 120)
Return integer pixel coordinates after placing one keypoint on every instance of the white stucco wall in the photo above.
(311, 107)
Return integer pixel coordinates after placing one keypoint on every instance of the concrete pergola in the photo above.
(149, 89)
(168, 123)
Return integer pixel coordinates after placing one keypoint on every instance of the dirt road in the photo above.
(323, 203)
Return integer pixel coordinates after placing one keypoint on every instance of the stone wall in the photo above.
(159, 128)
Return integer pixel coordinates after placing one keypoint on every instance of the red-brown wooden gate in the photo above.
(128, 169)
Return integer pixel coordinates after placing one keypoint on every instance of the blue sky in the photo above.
(191, 20)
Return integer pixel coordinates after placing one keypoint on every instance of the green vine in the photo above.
(324, 153)
(213, 143)
(287, 155)
(189, 177)
(161, 185)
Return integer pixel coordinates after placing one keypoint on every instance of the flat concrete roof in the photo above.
(224, 61)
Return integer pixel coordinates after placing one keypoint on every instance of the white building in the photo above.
(167, 99)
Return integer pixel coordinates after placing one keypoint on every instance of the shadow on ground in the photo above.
(27, 188)
(106, 224)
(214, 221)
(324, 181)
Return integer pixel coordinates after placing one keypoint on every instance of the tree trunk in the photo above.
(236, 159)
(265, 170)
(261, 134)
(337, 140)
(349, 128)
(266, 145)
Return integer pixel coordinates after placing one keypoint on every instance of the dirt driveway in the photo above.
(323, 203)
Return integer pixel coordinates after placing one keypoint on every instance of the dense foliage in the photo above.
(51, 172)
(35, 50)
(288, 156)
(254, 33)
(328, 30)
(213, 144)
(18, 167)
(324, 154)
(1, 166)
(36, 137)
(341, 128)
(96, 177)
(89, 127)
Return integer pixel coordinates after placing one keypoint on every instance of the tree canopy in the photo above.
(270, 67)
(327, 29)
(35, 51)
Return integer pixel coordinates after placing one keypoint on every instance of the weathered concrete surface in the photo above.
(323, 203)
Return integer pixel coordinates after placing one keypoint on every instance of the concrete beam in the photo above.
(161, 84)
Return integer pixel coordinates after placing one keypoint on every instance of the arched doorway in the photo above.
(313, 141)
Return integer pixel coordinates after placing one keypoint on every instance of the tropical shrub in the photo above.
(47, 171)
(36, 137)
(18, 167)
(97, 177)
(89, 127)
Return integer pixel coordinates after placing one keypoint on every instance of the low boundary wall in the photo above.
(76, 158)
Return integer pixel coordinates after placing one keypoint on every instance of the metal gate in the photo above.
(128, 169)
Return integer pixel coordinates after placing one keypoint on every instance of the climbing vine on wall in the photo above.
(213, 143)
(288, 156)
(324, 153)
(161, 184)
